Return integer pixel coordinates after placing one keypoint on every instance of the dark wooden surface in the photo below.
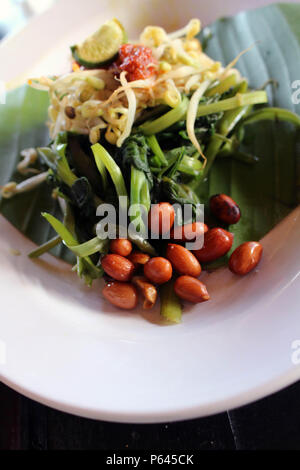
(271, 423)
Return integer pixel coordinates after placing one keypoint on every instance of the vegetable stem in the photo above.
(155, 147)
(102, 156)
(93, 272)
(167, 120)
(45, 247)
(223, 86)
(272, 114)
(139, 195)
(239, 100)
(170, 307)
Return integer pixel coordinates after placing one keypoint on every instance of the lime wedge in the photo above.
(102, 47)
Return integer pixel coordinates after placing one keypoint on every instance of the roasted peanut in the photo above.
(161, 218)
(158, 270)
(217, 242)
(148, 290)
(225, 208)
(183, 261)
(188, 232)
(121, 294)
(117, 267)
(191, 289)
(121, 246)
(245, 257)
(138, 258)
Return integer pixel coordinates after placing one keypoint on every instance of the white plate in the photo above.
(62, 345)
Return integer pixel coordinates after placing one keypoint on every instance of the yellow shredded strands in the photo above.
(192, 115)
(131, 109)
(29, 157)
(234, 61)
(192, 81)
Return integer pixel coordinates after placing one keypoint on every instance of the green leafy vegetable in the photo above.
(87, 268)
(134, 152)
(159, 154)
(55, 158)
(102, 156)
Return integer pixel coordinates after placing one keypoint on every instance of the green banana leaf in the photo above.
(266, 191)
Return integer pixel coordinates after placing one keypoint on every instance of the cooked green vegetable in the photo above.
(170, 306)
(239, 100)
(222, 86)
(88, 270)
(102, 157)
(47, 246)
(55, 158)
(272, 114)
(166, 120)
(159, 154)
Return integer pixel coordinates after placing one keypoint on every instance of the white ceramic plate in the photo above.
(62, 345)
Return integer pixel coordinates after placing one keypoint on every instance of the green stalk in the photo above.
(156, 162)
(167, 120)
(223, 86)
(70, 241)
(176, 165)
(62, 231)
(170, 307)
(83, 250)
(69, 220)
(239, 156)
(273, 114)
(58, 163)
(142, 244)
(145, 195)
(45, 247)
(103, 172)
(137, 182)
(101, 155)
(95, 245)
(238, 101)
(190, 166)
(226, 125)
(155, 147)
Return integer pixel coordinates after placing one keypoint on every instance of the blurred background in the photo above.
(14, 14)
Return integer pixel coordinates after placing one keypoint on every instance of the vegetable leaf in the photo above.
(134, 151)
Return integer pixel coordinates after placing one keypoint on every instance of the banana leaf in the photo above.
(266, 191)
(269, 190)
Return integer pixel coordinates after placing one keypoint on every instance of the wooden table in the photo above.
(272, 423)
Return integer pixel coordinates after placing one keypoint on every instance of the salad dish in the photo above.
(135, 128)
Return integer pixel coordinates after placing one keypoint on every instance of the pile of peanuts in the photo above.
(123, 265)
